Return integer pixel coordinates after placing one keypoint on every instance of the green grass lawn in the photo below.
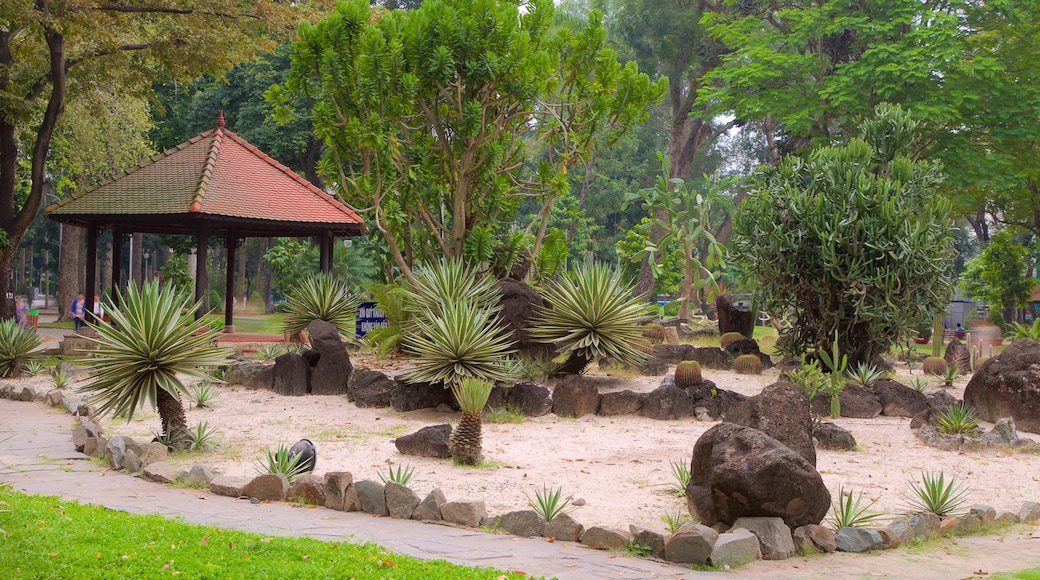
(261, 323)
(43, 537)
(1031, 574)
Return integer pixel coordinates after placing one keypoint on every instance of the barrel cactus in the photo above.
(748, 364)
(935, 365)
(654, 332)
(729, 338)
(688, 374)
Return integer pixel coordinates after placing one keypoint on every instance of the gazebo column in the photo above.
(88, 293)
(201, 276)
(231, 242)
(117, 262)
(325, 251)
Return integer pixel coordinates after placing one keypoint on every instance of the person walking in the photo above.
(76, 310)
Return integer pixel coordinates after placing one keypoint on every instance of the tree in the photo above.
(44, 44)
(428, 114)
(852, 241)
(999, 275)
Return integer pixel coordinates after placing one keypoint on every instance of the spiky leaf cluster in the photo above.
(322, 297)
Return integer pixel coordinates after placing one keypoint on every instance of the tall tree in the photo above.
(427, 114)
(43, 43)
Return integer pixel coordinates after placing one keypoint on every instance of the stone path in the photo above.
(37, 456)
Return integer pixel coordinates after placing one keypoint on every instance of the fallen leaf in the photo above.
(205, 541)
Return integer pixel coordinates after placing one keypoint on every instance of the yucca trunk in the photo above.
(575, 364)
(175, 423)
(464, 443)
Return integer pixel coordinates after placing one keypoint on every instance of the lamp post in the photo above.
(147, 272)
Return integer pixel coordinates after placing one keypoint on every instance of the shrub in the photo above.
(688, 374)
(920, 385)
(203, 438)
(62, 378)
(729, 338)
(202, 395)
(935, 365)
(402, 475)
(680, 475)
(847, 513)
(321, 297)
(865, 375)
(18, 346)
(958, 419)
(748, 364)
(1031, 332)
(810, 377)
(548, 502)
(281, 461)
(935, 496)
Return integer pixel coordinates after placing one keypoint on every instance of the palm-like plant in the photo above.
(592, 315)
(322, 297)
(449, 281)
(1031, 332)
(465, 440)
(153, 338)
(865, 374)
(457, 340)
(18, 346)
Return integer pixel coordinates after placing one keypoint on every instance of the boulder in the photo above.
(774, 536)
(267, 487)
(957, 354)
(518, 304)
(1029, 513)
(229, 485)
(1009, 386)
(924, 525)
(781, 411)
(200, 476)
(949, 525)
(155, 452)
(735, 548)
(372, 496)
(309, 489)
(648, 539)
(1006, 430)
(26, 393)
(95, 447)
(667, 404)
(251, 375)
(941, 399)
(710, 357)
(620, 403)
(464, 513)
(162, 472)
(859, 402)
(602, 538)
(931, 437)
(332, 371)
(132, 462)
(690, 544)
(54, 398)
(733, 318)
(985, 514)
(857, 540)
(564, 528)
(401, 501)
(966, 524)
(813, 538)
(716, 403)
(308, 453)
(575, 396)
(429, 441)
(903, 529)
(899, 400)
(370, 388)
(889, 539)
(1006, 518)
(340, 493)
(748, 346)
(292, 375)
(674, 353)
(523, 523)
(832, 437)
(742, 472)
(414, 396)
(530, 399)
(429, 508)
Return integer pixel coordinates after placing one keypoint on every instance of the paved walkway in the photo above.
(39, 458)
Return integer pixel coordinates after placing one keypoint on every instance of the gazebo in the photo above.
(214, 185)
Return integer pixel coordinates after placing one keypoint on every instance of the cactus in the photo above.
(935, 365)
(688, 374)
(980, 361)
(748, 364)
(654, 332)
(729, 338)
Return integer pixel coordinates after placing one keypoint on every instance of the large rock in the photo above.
(731, 317)
(524, 523)
(430, 507)
(1009, 386)
(292, 375)
(774, 536)
(518, 304)
(602, 538)
(373, 497)
(266, 487)
(564, 528)
(647, 539)
(200, 476)
(748, 346)
(332, 371)
(429, 441)
(340, 493)
(251, 375)
(465, 513)
(716, 403)
(781, 411)
(575, 396)
(229, 485)
(857, 540)
(742, 472)
(309, 489)
(620, 403)
(710, 357)
(834, 438)
(414, 396)
(735, 548)
(957, 354)
(163, 472)
(369, 388)
(899, 400)
(690, 544)
(856, 403)
(401, 501)
(155, 452)
(667, 404)
(813, 538)
(530, 399)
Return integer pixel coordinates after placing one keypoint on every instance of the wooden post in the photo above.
(231, 242)
(324, 252)
(88, 292)
(201, 277)
(117, 262)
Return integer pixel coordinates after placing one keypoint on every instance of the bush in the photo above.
(855, 238)
(18, 346)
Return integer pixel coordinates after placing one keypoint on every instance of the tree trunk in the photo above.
(137, 241)
(105, 280)
(175, 423)
(7, 289)
(71, 269)
(574, 365)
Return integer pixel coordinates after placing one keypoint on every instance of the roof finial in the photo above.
(220, 119)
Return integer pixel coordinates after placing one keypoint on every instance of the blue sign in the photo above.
(369, 316)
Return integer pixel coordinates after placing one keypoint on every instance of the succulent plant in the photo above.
(748, 364)
(687, 374)
(729, 338)
(935, 365)
(654, 332)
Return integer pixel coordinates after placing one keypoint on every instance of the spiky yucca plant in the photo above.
(465, 440)
(153, 338)
(450, 281)
(592, 315)
(457, 340)
(18, 346)
(322, 297)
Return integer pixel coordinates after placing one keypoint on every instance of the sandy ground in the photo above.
(616, 469)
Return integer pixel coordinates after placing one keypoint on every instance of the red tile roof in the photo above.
(217, 174)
